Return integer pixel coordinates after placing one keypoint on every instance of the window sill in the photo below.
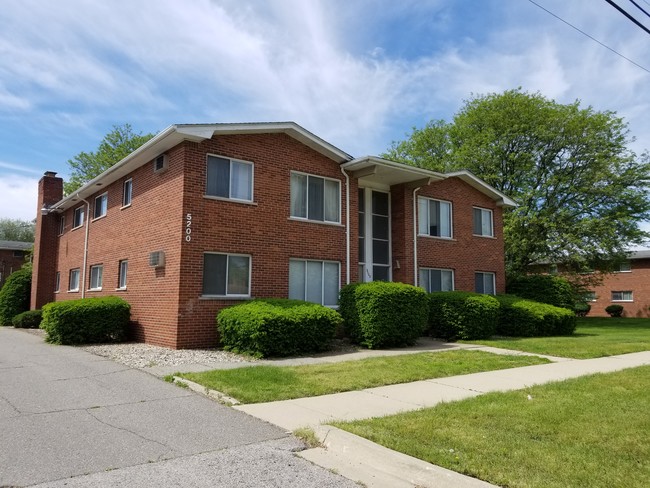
(485, 237)
(438, 238)
(232, 200)
(94, 289)
(622, 301)
(121, 289)
(125, 206)
(225, 297)
(98, 218)
(308, 221)
(74, 291)
(75, 228)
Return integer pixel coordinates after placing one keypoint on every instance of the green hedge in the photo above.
(277, 327)
(519, 317)
(381, 314)
(614, 310)
(15, 295)
(550, 289)
(457, 315)
(86, 321)
(31, 319)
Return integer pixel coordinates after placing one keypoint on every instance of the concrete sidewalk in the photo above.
(362, 460)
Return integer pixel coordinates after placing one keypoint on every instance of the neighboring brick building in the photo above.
(628, 286)
(203, 216)
(12, 257)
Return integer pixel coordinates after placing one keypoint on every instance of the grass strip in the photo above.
(594, 337)
(256, 384)
(591, 431)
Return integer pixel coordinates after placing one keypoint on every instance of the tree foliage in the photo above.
(114, 147)
(16, 230)
(581, 191)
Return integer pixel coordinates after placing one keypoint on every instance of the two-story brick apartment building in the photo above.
(12, 257)
(203, 216)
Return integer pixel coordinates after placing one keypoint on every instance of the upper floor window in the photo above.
(126, 193)
(434, 218)
(622, 296)
(57, 282)
(314, 281)
(483, 222)
(61, 225)
(229, 178)
(625, 267)
(78, 218)
(96, 277)
(226, 274)
(121, 280)
(101, 205)
(315, 198)
(484, 283)
(437, 279)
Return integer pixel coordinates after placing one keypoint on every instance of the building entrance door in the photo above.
(374, 235)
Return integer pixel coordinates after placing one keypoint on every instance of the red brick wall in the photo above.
(637, 280)
(153, 222)
(261, 229)
(464, 253)
(10, 263)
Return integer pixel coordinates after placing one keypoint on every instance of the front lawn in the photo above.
(258, 384)
(590, 431)
(594, 337)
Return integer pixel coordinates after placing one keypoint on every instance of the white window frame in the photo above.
(483, 211)
(306, 216)
(590, 296)
(625, 267)
(228, 256)
(61, 225)
(96, 277)
(427, 217)
(428, 270)
(230, 182)
(486, 274)
(322, 283)
(104, 205)
(75, 272)
(122, 274)
(127, 184)
(79, 211)
(57, 282)
(622, 296)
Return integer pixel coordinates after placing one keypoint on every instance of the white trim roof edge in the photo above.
(481, 185)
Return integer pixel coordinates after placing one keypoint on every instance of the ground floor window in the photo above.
(57, 282)
(96, 276)
(121, 281)
(432, 279)
(622, 296)
(314, 281)
(484, 283)
(226, 274)
(73, 283)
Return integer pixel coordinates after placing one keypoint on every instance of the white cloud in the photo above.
(18, 197)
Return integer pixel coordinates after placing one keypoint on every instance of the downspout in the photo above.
(415, 237)
(347, 227)
(83, 274)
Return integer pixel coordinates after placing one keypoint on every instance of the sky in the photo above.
(358, 73)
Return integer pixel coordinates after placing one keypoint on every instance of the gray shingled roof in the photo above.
(16, 245)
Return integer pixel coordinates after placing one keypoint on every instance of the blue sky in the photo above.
(358, 73)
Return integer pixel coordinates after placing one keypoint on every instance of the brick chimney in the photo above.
(46, 241)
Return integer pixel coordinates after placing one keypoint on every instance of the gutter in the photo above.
(85, 260)
(415, 237)
(347, 226)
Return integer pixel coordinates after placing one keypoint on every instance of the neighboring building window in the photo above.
(73, 284)
(19, 254)
(590, 296)
(61, 225)
(437, 279)
(126, 193)
(101, 205)
(622, 296)
(121, 281)
(434, 217)
(483, 222)
(625, 267)
(314, 281)
(96, 273)
(228, 178)
(78, 219)
(484, 283)
(57, 282)
(315, 198)
(552, 269)
(226, 274)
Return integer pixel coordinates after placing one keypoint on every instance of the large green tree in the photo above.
(16, 230)
(582, 192)
(114, 147)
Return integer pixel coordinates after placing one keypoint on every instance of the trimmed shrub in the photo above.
(519, 317)
(614, 310)
(457, 315)
(582, 309)
(277, 327)
(15, 295)
(31, 319)
(550, 289)
(86, 321)
(348, 310)
(387, 314)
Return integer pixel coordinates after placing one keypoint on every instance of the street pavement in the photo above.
(70, 418)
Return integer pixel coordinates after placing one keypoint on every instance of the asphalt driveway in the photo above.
(67, 413)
